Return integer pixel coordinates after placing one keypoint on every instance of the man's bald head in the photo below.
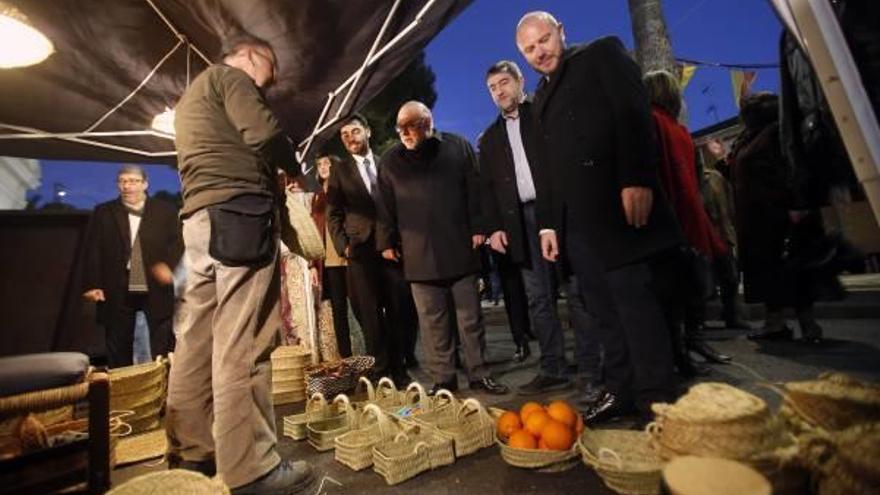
(414, 124)
(541, 40)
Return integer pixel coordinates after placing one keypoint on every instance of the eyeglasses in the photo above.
(410, 126)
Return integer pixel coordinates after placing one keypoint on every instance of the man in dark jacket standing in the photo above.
(128, 242)
(432, 223)
(597, 203)
(507, 160)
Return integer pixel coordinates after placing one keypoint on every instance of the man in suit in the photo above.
(507, 160)
(129, 241)
(598, 205)
(432, 224)
(379, 295)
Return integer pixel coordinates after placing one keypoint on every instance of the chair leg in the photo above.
(99, 433)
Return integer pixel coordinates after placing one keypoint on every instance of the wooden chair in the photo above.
(42, 382)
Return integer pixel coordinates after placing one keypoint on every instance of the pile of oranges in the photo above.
(554, 427)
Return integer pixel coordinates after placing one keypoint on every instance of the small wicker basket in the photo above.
(469, 426)
(316, 409)
(543, 461)
(355, 448)
(412, 451)
(624, 459)
(141, 389)
(288, 374)
(322, 433)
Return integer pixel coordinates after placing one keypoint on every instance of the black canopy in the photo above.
(106, 49)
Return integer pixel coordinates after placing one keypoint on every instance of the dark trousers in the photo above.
(637, 349)
(539, 278)
(727, 275)
(336, 290)
(435, 302)
(382, 304)
(119, 327)
(515, 300)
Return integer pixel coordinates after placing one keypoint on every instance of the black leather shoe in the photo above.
(737, 324)
(543, 383)
(522, 353)
(784, 333)
(608, 407)
(708, 352)
(451, 385)
(489, 385)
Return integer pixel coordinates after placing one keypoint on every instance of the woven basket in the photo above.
(171, 482)
(316, 409)
(355, 448)
(624, 459)
(426, 409)
(689, 475)
(469, 426)
(337, 377)
(412, 451)
(288, 374)
(322, 433)
(845, 462)
(543, 461)
(716, 420)
(140, 389)
(833, 402)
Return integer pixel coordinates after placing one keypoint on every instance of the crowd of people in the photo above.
(590, 186)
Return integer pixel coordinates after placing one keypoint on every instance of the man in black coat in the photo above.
(379, 295)
(507, 160)
(432, 224)
(598, 204)
(132, 244)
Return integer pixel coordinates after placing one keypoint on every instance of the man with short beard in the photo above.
(432, 224)
(379, 295)
(132, 244)
(597, 193)
(507, 159)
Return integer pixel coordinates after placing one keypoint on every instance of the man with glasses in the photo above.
(219, 414)
(379, 295)
(129, 240)
(432, 224)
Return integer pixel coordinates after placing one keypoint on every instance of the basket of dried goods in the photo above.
(412, 451)
(538, 437)
(355, 447)
(624, 459)
(321, 433)
(716, 420)
(834, 401)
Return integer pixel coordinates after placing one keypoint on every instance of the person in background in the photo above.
(678, 179)
(431, 224)
(329, 274)
(132, 243)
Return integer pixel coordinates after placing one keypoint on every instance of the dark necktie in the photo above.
(374, 186)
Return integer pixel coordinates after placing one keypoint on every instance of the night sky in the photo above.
(726, 31)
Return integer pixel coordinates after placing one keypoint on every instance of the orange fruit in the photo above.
(562, 412)
(535, 423)
(529, 408)
(557, 436)
(521, 439)
(507, 424)
(542, 445)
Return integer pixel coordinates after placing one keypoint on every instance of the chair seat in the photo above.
(32, 372)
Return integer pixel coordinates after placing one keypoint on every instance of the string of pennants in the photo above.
(742, 76)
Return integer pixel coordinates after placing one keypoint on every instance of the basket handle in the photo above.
(384, 384)
(610, 456)
(448, 395)
(420, 392)
(316, 397)
(371, 393)
(654, 429)
(400, 435)
(472, 404)
(418, 446)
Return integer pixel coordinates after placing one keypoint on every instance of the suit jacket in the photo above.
(596, 138)
(501, 202)
(431, 199)
(351, 211)
(108, 249)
